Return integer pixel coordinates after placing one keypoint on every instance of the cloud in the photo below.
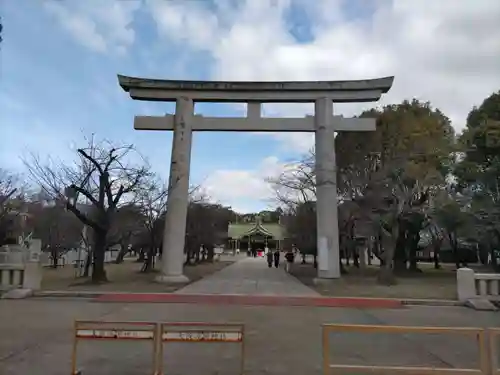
(30, 137)
(448, 55)
(445, 54)
(243, 189)
(101, 26)
(199, 26)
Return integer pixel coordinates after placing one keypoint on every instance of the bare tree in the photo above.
(11, 202)
(296, 184)
(104, 177)
(58, 229)
(155, 206)
(207, 226)
(152, 200)
(127, 225)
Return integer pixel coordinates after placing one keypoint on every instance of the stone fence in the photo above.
(77, 257)
(21, 266)
(471, 285)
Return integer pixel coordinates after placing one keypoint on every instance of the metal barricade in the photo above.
(202, 333)
(494, 335)
(115, 331)
(479, 333)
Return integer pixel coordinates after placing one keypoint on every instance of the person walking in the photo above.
(269, 259)
(289, 260)
(276, 258)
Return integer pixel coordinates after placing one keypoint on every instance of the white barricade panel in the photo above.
(104, 348)
(202, 348)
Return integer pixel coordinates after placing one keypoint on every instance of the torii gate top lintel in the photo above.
(366, 90)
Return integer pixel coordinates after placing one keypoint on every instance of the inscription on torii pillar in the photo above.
(324, 124)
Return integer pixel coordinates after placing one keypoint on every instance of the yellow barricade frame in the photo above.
(480, 334)
(201, 333)
(115, 331)
(234, 333)
(494, 337)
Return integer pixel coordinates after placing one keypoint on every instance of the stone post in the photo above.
(326, 191)
(33, 267)
(178, 197)
(466, 284)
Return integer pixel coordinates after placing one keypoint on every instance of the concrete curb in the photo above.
(94, 294)
(69, 294)
(431, 302)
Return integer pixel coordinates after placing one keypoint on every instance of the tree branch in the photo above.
(91, 159)
(83, 218)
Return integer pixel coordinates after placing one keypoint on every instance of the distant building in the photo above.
(14, 227)
(256, 235)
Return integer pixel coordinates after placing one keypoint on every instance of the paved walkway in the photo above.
(250, 276)
(249, 282)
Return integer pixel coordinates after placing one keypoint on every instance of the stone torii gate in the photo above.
(324, 124)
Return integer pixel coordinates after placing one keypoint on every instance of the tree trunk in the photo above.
(88, 263)
(355, 257)
(149, 256)
(484, 251)
(121, 254)
(362, 250)
(142, 255)
(378, 248)
(400, 261)
(98, 271)
(210, 253)
(197, 254)
(454, 247)
(55, 256)
(386, 274)
(343, 271)
(494, 261)
(351, 245)
(148, 262)
(436, 249)
(494, 253)
(413, 242)
(369, 251)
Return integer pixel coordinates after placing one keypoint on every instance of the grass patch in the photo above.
(125, 277)
(428, 284)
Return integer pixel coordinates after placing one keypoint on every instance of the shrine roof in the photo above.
(237, 231)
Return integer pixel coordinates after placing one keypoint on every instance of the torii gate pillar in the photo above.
(174, 235)
(184, 122)
(327, 226)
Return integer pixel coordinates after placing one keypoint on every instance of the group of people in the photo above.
(274, 257)
(253, 252)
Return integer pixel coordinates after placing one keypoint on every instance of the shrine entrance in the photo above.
(255, 235)
(323, 123)
(257, 242)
